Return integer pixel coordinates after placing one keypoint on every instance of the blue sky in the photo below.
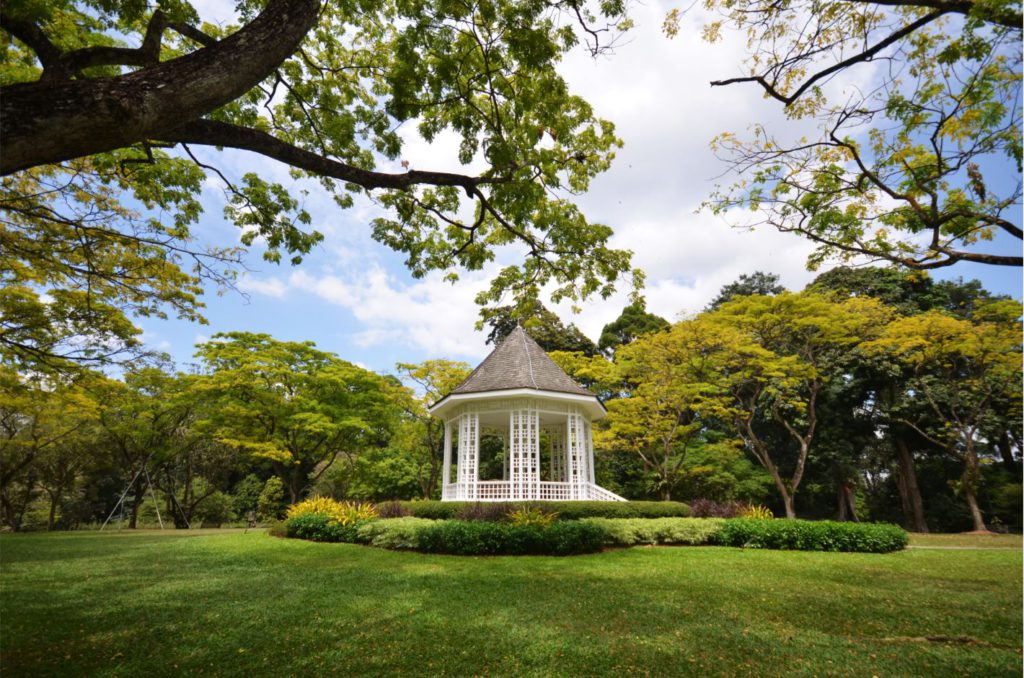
(355, 298)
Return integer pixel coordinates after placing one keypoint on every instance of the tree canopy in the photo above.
(105, 107)
(909, 165)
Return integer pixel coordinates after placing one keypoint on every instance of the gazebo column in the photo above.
(576, 454)
(524, 453)
(504, 458)
(588, 436)
(469, 454)
(446, 469)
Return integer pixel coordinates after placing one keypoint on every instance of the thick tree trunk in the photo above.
(787, 500)
(58, 119)
(1005, 446)
(910, 493)
(847, 502)
(51, 521)
(133, 519)
(969, 482)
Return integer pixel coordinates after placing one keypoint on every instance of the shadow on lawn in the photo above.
(247, 603)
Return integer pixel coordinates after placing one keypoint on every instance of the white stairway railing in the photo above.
(502, 490)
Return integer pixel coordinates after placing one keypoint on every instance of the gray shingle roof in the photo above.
(519, 362)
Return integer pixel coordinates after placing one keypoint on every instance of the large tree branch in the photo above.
(863, 56)
(46, 122)
(222, 134)
(1005, 17)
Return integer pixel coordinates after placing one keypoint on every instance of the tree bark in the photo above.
(55, 120)
(910, 493)
(969, 483)
(847, 502)
(1005, 446)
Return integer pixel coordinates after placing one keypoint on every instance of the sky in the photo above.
(354, 297)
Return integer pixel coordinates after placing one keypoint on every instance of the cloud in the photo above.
(431, 314)
(270, 287)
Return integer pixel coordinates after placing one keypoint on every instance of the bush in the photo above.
(757, 512)
(532, 515)
(709, 508)
(270, 503)
(320, 527)
(567, 510)
(461, 537)
(393, 533)
(489, 511)
(392, 509)
(808, 535)
(344, 513)
(631, 531)
(215, 510)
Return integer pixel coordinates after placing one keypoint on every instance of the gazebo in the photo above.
(518, 395)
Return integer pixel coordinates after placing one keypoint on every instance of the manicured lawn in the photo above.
(228, 603)
(967, 540)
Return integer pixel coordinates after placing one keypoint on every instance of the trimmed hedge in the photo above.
(631, 531)
(567, 510)
(567, 537)
(811, 535)
(393, 533)
(319, 527)
(460, 537)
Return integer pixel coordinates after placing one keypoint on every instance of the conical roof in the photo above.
(519, 362)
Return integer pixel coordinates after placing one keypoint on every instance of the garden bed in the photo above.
(529, 530)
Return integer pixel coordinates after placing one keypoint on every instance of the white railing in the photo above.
(502, 490)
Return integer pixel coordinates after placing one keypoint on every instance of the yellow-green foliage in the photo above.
(757, 512)
(344, 513)
(631, 531)
(530, 515)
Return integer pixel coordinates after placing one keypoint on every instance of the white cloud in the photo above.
(271, 287)
(429, 314)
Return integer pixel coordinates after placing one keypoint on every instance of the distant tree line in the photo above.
(873, 394)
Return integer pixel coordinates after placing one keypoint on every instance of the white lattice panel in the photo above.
(524, 453)
(469, 454)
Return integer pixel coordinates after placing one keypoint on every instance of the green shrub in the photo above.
(393, 533)
(214, 510)
(630, 531)
(270, 504)
(809, 535)
(343, 512)
(320, 527)
(567, 510)
(532, 515)
(493, 538)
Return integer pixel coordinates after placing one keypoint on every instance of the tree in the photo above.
(677, 393)
(794, 345)
(90, 124)
(435, 379)
(758, 282)
(546, 328)
(907, 168)
(291, 405)
(39, 420)
(960, 369)
(633, 323)
(881, 378)
(144, 422)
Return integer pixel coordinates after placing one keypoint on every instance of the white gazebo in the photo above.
(520, 396)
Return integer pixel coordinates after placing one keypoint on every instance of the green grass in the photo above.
(229, 603)
(967, 540)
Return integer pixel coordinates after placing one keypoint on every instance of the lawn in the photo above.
(228, 603)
